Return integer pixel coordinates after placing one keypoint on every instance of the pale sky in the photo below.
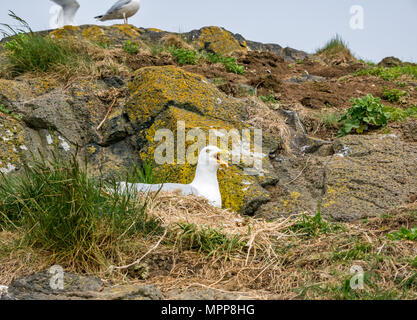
(389, 26)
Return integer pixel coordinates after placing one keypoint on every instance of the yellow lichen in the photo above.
(95, 34)
(64, 32)
(128, 30)
(219, 40)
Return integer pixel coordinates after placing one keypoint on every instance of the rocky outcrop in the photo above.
(364, 176)
(352, 178)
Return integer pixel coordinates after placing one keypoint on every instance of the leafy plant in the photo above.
(365, 112)
(397, 114)
(268, 99)
(389, 73)
(404, 234)
(229, 62)
(131, 48)
(393, 95)
(183, 56)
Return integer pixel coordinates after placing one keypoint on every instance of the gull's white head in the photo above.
(212, 158)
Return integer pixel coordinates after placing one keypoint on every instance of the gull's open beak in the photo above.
(222, 163)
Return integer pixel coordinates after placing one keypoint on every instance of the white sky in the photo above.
(390, 27)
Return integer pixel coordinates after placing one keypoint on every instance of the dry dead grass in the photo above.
(277, 262)
(172, 40)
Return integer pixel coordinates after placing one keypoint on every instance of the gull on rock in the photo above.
(63, 13)
(205, 183)
(122, 9)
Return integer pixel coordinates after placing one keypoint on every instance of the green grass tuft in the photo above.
(59, 208)
(334, 45)
(313, 226)
(29, 52)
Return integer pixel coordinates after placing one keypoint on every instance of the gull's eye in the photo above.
(218, 156)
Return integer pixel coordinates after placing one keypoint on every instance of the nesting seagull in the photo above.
(205, 182)
(63, 13)
(122, 9)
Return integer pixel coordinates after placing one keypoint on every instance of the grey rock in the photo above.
(77, 287)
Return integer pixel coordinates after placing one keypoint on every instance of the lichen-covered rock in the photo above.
(14, 143)
(368, 176)
(365, 176)
(155, 88)
(77, 287)
(217, 40)
(161, 98)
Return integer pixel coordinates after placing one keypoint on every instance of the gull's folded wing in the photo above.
(185, 189)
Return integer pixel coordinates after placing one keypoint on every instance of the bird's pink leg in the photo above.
(124, 17)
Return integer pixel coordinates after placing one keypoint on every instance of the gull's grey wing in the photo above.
(168, 187)
(117, 6)
(70, 7)
(67, 4)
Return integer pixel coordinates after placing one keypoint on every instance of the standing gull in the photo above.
(63, 13)
(122, 9)
(205, 182)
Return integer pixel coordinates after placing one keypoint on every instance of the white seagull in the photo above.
(122, 9)
(63, 13)
(205, 182)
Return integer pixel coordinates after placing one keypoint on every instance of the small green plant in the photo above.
(131, 48)
(393, 95)
(207, 240)
(300, 61)
(358, 252)
(404, 234)
(156, 49)
(10, 113)
(365, 112)
(389, 73)
(229, 62)
(183, 56)
(104, 45)
(329, 118)
(313, 226)
(398, 114)
(270, 98)
(218, 81)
